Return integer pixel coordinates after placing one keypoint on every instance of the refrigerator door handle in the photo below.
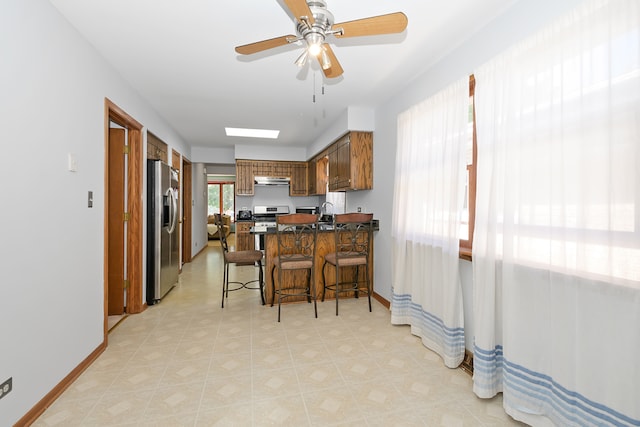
(173, 212)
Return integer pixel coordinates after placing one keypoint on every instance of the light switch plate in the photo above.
(72, 163)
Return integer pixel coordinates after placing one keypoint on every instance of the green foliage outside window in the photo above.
(224, 204)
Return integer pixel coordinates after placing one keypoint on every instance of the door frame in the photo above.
(187, 210)
(134, 240)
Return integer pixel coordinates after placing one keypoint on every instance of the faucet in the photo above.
(323, 210)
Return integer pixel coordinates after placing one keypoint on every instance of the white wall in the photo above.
(521, 19)
(274, 196)
(199, 207)
(213, 155)
(53, 86)
(270, 152)
(353, 118)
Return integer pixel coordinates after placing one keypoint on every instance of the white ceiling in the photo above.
(180, 56)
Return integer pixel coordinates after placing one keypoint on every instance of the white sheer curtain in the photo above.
(556, 253)
(428, 198)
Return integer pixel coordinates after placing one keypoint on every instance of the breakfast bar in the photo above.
(325, 244)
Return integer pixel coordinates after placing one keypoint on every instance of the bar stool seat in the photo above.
(248, 257)
(346, 259)
(241, 257)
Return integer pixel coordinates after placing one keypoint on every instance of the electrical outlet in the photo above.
(6, 387)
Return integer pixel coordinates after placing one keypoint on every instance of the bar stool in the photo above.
(353, 235)
(296, 235)
(238, 258)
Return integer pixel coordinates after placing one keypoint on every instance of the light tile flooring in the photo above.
(188, 362)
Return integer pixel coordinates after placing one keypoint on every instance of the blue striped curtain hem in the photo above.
(524, 388)
(434, 329)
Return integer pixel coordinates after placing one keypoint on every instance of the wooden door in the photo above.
(116, 237)
(134, 208)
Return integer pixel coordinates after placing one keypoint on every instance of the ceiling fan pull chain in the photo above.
(314, 88)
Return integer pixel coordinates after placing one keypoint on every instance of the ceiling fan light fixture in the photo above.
(314, 43)
(314, 49)
(302, 59)
(325, 62)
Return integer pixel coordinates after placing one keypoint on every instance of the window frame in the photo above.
(220, 185)
(466, 246)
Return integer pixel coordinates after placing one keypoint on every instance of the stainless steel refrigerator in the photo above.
(163, 248)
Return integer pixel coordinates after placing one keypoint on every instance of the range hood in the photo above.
(271, 180)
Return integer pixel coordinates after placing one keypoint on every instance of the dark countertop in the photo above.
(323, 227)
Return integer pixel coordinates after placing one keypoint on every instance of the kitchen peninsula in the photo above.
(325, 244)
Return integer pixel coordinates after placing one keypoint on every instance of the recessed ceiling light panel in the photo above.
(252, 133)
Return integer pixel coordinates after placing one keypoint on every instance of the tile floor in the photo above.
(187, 362)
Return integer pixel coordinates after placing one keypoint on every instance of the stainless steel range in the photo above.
(264, 217)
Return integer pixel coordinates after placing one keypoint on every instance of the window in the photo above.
(431, 167)
(559, 153)
(222, 198)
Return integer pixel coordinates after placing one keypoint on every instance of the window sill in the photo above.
(465, 253)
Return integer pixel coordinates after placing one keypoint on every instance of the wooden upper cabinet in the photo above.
(271, 168)
(317, 175)
(298, 184)
(244, 178)
(351, 162)
(311, 177)
(247, 170)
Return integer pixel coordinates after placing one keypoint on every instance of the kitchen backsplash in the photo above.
(279, 195)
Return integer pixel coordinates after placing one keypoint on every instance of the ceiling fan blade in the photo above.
(256, 47)
(383, 24)
(335, 70)
(300, 9)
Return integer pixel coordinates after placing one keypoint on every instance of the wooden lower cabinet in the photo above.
(245, 241)
(325, 244)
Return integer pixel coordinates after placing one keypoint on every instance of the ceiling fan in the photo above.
(315, 23)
